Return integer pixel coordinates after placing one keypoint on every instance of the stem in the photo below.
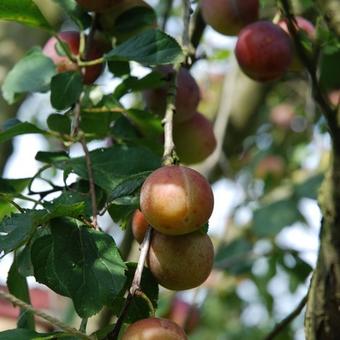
(135, 286)
(186, 21)
(53, 321)
(287, 320)
(166, 13)
(91, 183)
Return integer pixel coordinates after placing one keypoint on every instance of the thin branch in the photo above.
(91, 183)
(287, 320)
(166, 13)
(53, 321)
(187, 11)
(135, 286)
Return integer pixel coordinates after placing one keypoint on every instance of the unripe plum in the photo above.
(264, 51)
(64, 64)
(139, 226)
(176, 200)
(154, 329)
(97, 5)
(181, 262)
(309, 29)
(187, 95)
(229, 16)
(271, 165)
(194, 139)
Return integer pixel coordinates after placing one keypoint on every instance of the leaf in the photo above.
(17, 285)
(13, 186)
(66, 88)
(151, 47)
(32, 73)
(235, 257)
(25, 334)
(122, 210)
(59, 123)
(309, 188)
(91, 268)
(24, 12)
(18, 128)
(114, 166)
(16, 229)
(51, 157)
(269, 220)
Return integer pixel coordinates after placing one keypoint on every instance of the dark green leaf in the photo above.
(66, 88)
(114, 166)
(17, 286)
(13, 186)
(91, 269)
(16, 229)
(329, 69)
(310, 187)
(121, 211)
(51, 157)
(59, 123)
(32, 73)
(235, 257)
(25, 334)
(272, 218)
(119, 68)
(151, 47)
(18, 128)
(24, 12)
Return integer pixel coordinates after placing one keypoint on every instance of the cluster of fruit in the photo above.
(264, 50)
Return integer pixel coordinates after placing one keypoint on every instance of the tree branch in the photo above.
(287, 320)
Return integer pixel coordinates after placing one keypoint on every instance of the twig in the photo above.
(135, 286)
(287, 320)
(53, 321)
(187, 11)
(310, 66)
(91, 183)
(166, 13)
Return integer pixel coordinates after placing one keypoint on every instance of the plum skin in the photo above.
(176, 200)
(139, 226)
(264, 51)
(154, 329)
(64, 64)
(180, 262)
(228, 17)
(194, 139)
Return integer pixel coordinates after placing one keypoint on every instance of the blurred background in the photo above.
(273, 150)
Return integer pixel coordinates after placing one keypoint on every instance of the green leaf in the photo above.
(16, 229)
(119, 68)
(121, 210)
(114, 166)
(24, 12)
(25, 334)
(269, 220)
(13, 186)
(329, 69)
(151, 47)
(59, 123)
(90, 267)
(309, 188)
(32, 73)
(17, 285)
(16, 128)
(235, 257)
(66, 88)
(51, 157)
(90, 270)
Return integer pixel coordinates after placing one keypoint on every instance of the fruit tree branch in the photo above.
(287, 320)
(53, 321)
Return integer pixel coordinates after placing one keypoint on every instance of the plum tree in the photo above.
(181, 262)
(264, 51)
(176, 200)
(72, 39)
(229, 16)
(302, 25)
(139, 226)
(114, 21)
(154, 329)
(187, 95)
(194, 139)
(97, 5)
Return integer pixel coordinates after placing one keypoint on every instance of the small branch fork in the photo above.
(287, 320)
(55, 322)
